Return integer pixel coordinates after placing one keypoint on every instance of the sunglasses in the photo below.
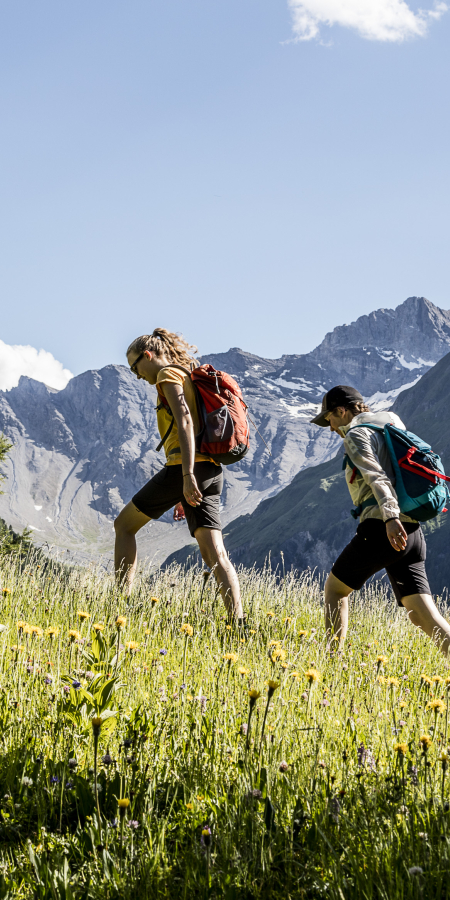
(133, 367)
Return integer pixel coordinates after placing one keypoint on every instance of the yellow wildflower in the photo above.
(82, 615)
(124, 803)
(426, 742)
(425, 679)
(402, 749)
(274, 643)
(272, 685)
(97, 626)
(243, 671)
(74, 636)
(438, 706)
(36, 630)
(6, 591)
(278, 653)
(189, 806)
(154, 600)
(52, 632)
(131, 645)
(402, 704)
(121, 621)
(437, 679)
(295, 675)
(254, 695)
(287, 620)
(382, 660)
(230, 657)
(312, 675)
(302, 633)
(187, 629)
(393, 682)
(21, 625)
(270, 614)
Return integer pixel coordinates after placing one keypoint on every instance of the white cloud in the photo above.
(16, 360)
(375, 20)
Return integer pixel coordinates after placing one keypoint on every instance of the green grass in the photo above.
(319, 805)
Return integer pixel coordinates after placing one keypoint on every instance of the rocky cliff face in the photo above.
(79, 454)
(308, 524)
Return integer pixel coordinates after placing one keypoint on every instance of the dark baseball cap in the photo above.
(341, 395)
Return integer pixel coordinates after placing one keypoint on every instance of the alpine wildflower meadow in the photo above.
(152, 749)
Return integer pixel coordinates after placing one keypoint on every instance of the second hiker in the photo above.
(385, 538)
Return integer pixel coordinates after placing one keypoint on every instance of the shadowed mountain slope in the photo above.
(309, 522)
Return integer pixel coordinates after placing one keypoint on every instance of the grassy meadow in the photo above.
(150, 750)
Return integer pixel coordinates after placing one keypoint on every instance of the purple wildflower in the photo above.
(76, 684)
(69, 785)
(163, 652)
(66, 689)
(54, 779)
(132, 823)
(361, 754)
(107, 760)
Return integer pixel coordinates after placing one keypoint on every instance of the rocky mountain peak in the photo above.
(81, 453)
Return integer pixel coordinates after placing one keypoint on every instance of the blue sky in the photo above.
(202, 166)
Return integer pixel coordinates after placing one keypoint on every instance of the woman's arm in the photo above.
(174, 395)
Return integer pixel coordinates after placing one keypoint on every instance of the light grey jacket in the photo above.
(368, 453)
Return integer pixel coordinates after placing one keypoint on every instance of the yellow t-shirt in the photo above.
(164, 418)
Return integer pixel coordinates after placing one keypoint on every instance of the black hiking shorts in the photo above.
(165, 490)
(370, 551)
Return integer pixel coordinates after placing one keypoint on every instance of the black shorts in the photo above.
(370, 551)
(165, 490)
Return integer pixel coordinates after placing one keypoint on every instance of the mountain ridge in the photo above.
(308, 524)
(81, 453)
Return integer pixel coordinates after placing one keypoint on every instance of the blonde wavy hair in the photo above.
(169, 344)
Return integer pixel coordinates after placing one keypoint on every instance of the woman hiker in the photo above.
(190, 482)
(385, 538)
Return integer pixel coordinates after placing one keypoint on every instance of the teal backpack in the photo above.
(420, 480)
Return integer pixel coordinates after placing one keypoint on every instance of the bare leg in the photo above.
(127, 524)
(210, 542)
(336, 608)
(423, 612)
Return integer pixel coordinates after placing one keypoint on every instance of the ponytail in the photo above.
(169, 344)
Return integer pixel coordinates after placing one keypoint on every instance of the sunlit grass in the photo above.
(149, 749)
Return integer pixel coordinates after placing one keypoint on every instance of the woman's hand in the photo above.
(396, 534)
(191, 491)
(178, 513)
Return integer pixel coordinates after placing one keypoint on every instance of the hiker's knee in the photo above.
(211, 546)
(129, 520)
(415, 618)
(334, 588)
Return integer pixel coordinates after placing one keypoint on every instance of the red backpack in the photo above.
(224, 432)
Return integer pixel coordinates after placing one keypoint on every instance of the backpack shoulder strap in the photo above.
(164, 404)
